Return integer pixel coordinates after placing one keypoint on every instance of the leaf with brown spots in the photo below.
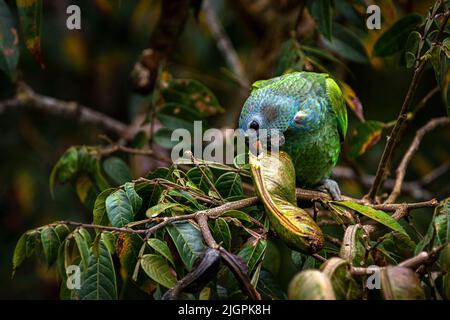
(9, 41)
(189, 97)
(352, 100)
(363, 136)
(30, 12)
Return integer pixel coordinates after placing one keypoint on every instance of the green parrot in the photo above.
(309, 112)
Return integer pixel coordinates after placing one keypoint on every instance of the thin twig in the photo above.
(100, 227)
(436, 173)
(401, 170)
(412, 263)
(224, 44)
(304, 194)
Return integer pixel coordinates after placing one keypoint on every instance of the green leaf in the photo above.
(270, 287)
(412, 46)
(438, 64)
(399, 244)
(252, 254)
(133, 197)
(50, 244)
(163, 138)
(439, 228)
(119, 209)
(377, 215)
(222, 233)
(394, 39)
(199, 179)
(117, 170)
(30, 12)
(75, 164)
(237, 214)
(291, 58)
(188, 241)
(157, 268)
(100, 215)
(128, 247)
(346, 44)
(62, 231)
(160, 207)
(322, 12)
(190, 93)
(110, 241)
(162, 248)
(99, 279)
(175, 122)
(9, 41)
(229, 184)
(20, 252)
(33, 244)
(352, 100)
(83, 248)
(363, 136)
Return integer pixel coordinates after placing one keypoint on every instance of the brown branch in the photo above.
(174, 14)
(436, 173)
(396, 133)
(412, 263)
(304, 194)
(401, 170)
(27, 97)
(224, 44)
(202, 220)
(9, 104)
(100, 227)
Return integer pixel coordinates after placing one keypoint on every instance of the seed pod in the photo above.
(311, 285)
(344, 285)
(399, 283)
(274, 178)
(353, 247)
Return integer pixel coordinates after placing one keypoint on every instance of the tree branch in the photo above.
(412, 263)
(174, 14)
(304, 194)
(395, 136)
(224, 44)
(401, 170)
(25, 96)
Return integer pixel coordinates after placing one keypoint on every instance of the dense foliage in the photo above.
(198, 230)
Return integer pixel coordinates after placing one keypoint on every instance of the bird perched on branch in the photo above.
(309, 110)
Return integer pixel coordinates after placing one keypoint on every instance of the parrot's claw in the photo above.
(330, 186)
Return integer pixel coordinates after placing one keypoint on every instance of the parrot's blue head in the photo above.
(265, 112)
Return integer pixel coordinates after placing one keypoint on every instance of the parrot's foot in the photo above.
(330, 186)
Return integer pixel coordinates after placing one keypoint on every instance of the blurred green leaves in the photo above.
(9, 41)
(394, 39)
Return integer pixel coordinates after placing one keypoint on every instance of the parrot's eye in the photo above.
(254, 125)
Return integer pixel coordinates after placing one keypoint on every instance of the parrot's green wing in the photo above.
(337, 105)
(262, 83)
